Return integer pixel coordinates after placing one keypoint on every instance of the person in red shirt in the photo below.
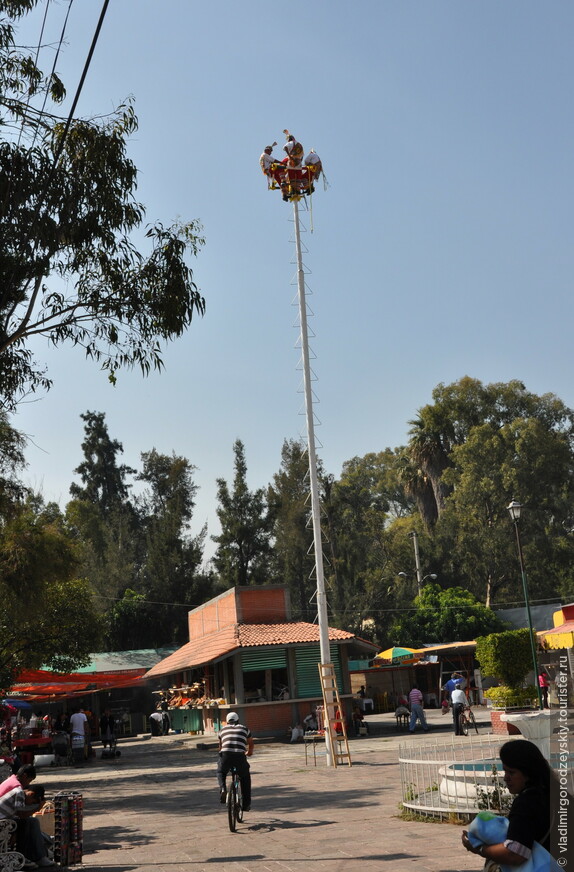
(544, 685)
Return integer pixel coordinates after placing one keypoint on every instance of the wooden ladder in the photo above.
(333, 714)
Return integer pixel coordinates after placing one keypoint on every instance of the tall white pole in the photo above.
(315, 503)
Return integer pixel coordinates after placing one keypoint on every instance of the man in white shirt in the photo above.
(79, 724)
(267, 162)
(79, 734)
(459, 703)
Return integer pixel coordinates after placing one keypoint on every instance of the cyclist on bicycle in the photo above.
(459, 703)
(235, 745)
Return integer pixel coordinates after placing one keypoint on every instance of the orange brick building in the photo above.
(246, 650)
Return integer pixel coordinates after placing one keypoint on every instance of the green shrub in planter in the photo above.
(511, 697)
(506, 656)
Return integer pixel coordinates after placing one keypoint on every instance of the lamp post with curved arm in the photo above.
(515, 510)
(420, 581)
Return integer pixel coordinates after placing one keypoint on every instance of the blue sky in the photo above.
(442, 247)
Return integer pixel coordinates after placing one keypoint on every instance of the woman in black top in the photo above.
(527, 775)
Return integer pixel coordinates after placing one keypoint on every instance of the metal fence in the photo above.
(462, 776)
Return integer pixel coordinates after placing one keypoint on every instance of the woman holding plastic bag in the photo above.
(523, 838)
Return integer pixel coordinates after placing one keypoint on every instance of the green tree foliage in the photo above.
(138, 554)
(357, 510)
(104, 481)
(100, 517)
(131, 622)
(169, 573)
(451, 615)
(506, 656)
(243, 553)
(481, 446)
(289, 499)
(69, 270)
(12, 445)
(47, 616)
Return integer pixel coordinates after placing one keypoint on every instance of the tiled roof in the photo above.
(229, 639)
(566, 627)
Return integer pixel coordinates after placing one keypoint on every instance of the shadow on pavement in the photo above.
(118, 868)
(98, 839)
(272, 825)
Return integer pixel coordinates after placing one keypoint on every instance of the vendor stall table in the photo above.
(27, 748)
(311, 738)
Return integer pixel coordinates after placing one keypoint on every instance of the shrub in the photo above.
(506, 656)
(511, 697)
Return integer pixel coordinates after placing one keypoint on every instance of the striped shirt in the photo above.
(11, 803)
(234, 738)
(415, 696)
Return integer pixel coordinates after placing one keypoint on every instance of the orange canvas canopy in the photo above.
(41, 684)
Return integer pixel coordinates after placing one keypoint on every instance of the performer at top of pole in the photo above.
(294, 175)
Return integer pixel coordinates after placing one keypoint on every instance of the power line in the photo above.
(62, 141)
(509, 604)
(53, 70)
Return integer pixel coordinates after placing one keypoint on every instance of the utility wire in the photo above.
(36, 64)
(42, 111)
(53, 70)
(60, 148)
(499, 606)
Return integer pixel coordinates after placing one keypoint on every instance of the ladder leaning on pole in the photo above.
(334, 716)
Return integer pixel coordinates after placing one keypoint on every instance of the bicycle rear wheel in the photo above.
(472, 720)
(232, 807)
(463, 724)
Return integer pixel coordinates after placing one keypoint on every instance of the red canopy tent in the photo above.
(41, 685)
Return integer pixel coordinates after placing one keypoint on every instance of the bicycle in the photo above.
(466, 719)
(234, 800)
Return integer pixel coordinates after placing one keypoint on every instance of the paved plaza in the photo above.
(157, 808)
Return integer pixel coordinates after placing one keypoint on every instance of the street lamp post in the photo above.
(418, 571)
(515, 510)
(415, 537)
(420, 583)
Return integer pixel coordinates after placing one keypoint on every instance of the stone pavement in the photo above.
(157, 808)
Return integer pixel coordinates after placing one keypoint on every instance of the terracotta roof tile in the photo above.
(285, 634)
(225, 641)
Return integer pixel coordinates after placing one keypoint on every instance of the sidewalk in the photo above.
(157, 807)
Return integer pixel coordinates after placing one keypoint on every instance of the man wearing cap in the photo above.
(235, 745)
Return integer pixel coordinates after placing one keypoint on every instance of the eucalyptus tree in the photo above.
(69, 269)
(479, 446)
(359, 506)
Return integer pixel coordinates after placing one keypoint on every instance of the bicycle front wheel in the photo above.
(472, 720)
(239, 802)
(463, 724)
(232, 807)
